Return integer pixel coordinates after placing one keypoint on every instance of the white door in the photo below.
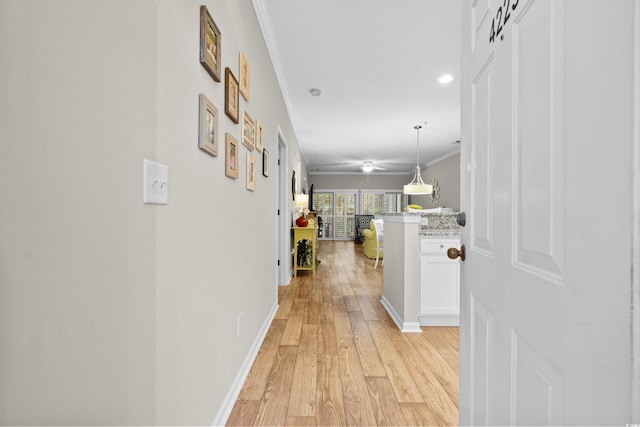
(546, 172)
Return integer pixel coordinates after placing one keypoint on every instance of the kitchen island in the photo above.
(421, 284)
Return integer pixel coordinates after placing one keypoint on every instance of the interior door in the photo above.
(284, 268)
(546, 146)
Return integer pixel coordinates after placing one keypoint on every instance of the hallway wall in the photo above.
(111, 311)
(216, 252)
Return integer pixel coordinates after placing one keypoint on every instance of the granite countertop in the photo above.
(444, 224)
(439, 225)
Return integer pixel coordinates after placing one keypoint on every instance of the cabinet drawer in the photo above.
(437, 246)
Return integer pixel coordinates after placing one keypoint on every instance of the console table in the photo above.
(311, 234)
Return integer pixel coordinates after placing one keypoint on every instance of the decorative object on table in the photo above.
(245, 77)
(248, 131)
(208, 126)
(231, 96)
(251, 171)
(417, 185)
(259, 136)
(304, 254)
(265, 162)
(210, 44)
(302, 221)
(302, 201)
(435, 195)
(231, 156)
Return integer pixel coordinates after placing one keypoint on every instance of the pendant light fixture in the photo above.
(417, 186)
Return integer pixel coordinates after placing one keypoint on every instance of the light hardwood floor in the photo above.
(333, 356)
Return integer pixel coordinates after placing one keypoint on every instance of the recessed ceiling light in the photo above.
(445, 78)
(315, 91)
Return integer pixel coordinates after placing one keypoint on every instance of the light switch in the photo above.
(155, 183)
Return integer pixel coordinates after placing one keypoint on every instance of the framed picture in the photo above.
(208, 129)
(248, 131)
(210, 44)
(231, 95)
(251, 171)
(259, 136)
(265, 162)
(245, 77)
(232, 158)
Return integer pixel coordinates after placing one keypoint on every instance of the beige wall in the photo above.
(447, 172)
(77, 247)
(111, 311)
(374, 181)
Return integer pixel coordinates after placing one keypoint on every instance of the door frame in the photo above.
(635, 327)
(284, 274)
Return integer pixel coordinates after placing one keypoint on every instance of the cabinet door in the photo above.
(439, 285)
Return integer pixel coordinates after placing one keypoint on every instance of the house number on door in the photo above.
(502, 17)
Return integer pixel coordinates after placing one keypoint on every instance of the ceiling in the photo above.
(377, 64)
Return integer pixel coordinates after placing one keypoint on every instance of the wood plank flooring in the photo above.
(334, 357)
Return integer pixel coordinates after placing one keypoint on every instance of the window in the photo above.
(345, 211)
(393, 202)
(338, 208)
(378, 202)
(337, 211)
(323, 205)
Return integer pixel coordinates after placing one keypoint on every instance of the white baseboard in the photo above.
(232, 395)
(635, 326)
(439, 320)
(403, 326)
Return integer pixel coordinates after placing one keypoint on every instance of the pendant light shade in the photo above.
(417, 186)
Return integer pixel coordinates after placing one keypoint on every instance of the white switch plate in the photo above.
(155, 183)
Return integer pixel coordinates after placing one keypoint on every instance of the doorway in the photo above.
(284, 272)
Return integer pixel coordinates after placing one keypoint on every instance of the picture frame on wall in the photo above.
(251, 171)
(231, 96)
(232, 156)
(259, 136)
(265, 162)
(208, 126)
(210, 44)
(245, 77)
(248, 131)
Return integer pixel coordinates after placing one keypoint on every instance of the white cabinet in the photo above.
(439, 303)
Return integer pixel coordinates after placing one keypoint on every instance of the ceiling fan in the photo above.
(353, 165)
(368, 167)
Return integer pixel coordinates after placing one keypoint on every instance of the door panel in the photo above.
(481, 327)
(539, 139)
(481, 189)
(537, 385)
(545, 305)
